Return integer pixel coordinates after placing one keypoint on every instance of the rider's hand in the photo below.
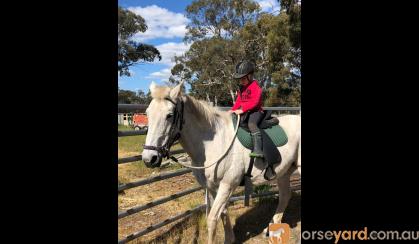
(238, 111)
(230, 111)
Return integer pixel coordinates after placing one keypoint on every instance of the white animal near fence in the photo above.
(204, 132)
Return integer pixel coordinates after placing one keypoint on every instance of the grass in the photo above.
(133, 171)
(248, 224)
(124, 127)
(261, 189)
(187, 230)
(132, 146)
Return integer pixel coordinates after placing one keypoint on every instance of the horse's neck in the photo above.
(203, 143)
(193, 142)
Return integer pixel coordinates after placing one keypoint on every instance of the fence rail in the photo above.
(132, 108)
(132, 133)
(139, 157)
(161, 224)
(143, 107)
(157, 202)
(189, 213)
(153, 179)
(269, 108)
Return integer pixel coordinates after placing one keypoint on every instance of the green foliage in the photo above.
(218, 18)
(131, 52)
(225, 32)
(131, 97)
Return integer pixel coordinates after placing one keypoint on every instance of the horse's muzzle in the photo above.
(154, 162)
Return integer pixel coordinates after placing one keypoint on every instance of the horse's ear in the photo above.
(177, 91)
(152, 86)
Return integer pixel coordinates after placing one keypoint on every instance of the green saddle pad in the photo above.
(276, 133)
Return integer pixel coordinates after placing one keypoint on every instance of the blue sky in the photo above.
(166, 23)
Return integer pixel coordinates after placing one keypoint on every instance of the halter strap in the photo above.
(170, 100)
(174, 133)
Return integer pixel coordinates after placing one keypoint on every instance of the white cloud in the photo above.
(269, 5)
(163, 74)
(168, 51)
(161, 23)
(171, 49)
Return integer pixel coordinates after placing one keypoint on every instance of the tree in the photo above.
(225, 32)
(132, 97)
(126, 97)
(179, 72)
(131, 52)
(253, 37)
(218, 18)
(284, 45)
(207, 67)
(143, 98)
(209, 63)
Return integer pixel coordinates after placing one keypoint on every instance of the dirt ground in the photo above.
(248, 222)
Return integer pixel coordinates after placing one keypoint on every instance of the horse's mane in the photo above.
(208, 113)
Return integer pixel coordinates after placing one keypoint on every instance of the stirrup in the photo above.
(269, 173)
(256, 155)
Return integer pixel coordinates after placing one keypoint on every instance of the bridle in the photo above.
(174, 133)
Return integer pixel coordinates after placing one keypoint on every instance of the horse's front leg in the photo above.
(228, 229)
(218, 206)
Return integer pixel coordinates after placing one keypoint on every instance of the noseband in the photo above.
(174, 133)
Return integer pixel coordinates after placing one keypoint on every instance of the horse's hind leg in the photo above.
(284, 195)
(223, 195)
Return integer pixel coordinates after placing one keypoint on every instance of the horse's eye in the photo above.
(169, 116)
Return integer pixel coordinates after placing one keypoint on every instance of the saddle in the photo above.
(266, 122)
(273, 136)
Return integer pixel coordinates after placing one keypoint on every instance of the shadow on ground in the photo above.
(248, 225)
(253, 221)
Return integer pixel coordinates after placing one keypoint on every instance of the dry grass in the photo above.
(248, 224)
(129, 146)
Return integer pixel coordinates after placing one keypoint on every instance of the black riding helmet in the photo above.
(244, 68)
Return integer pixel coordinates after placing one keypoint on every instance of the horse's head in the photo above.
(165, 120)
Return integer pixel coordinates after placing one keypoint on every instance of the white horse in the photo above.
(205, 134)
